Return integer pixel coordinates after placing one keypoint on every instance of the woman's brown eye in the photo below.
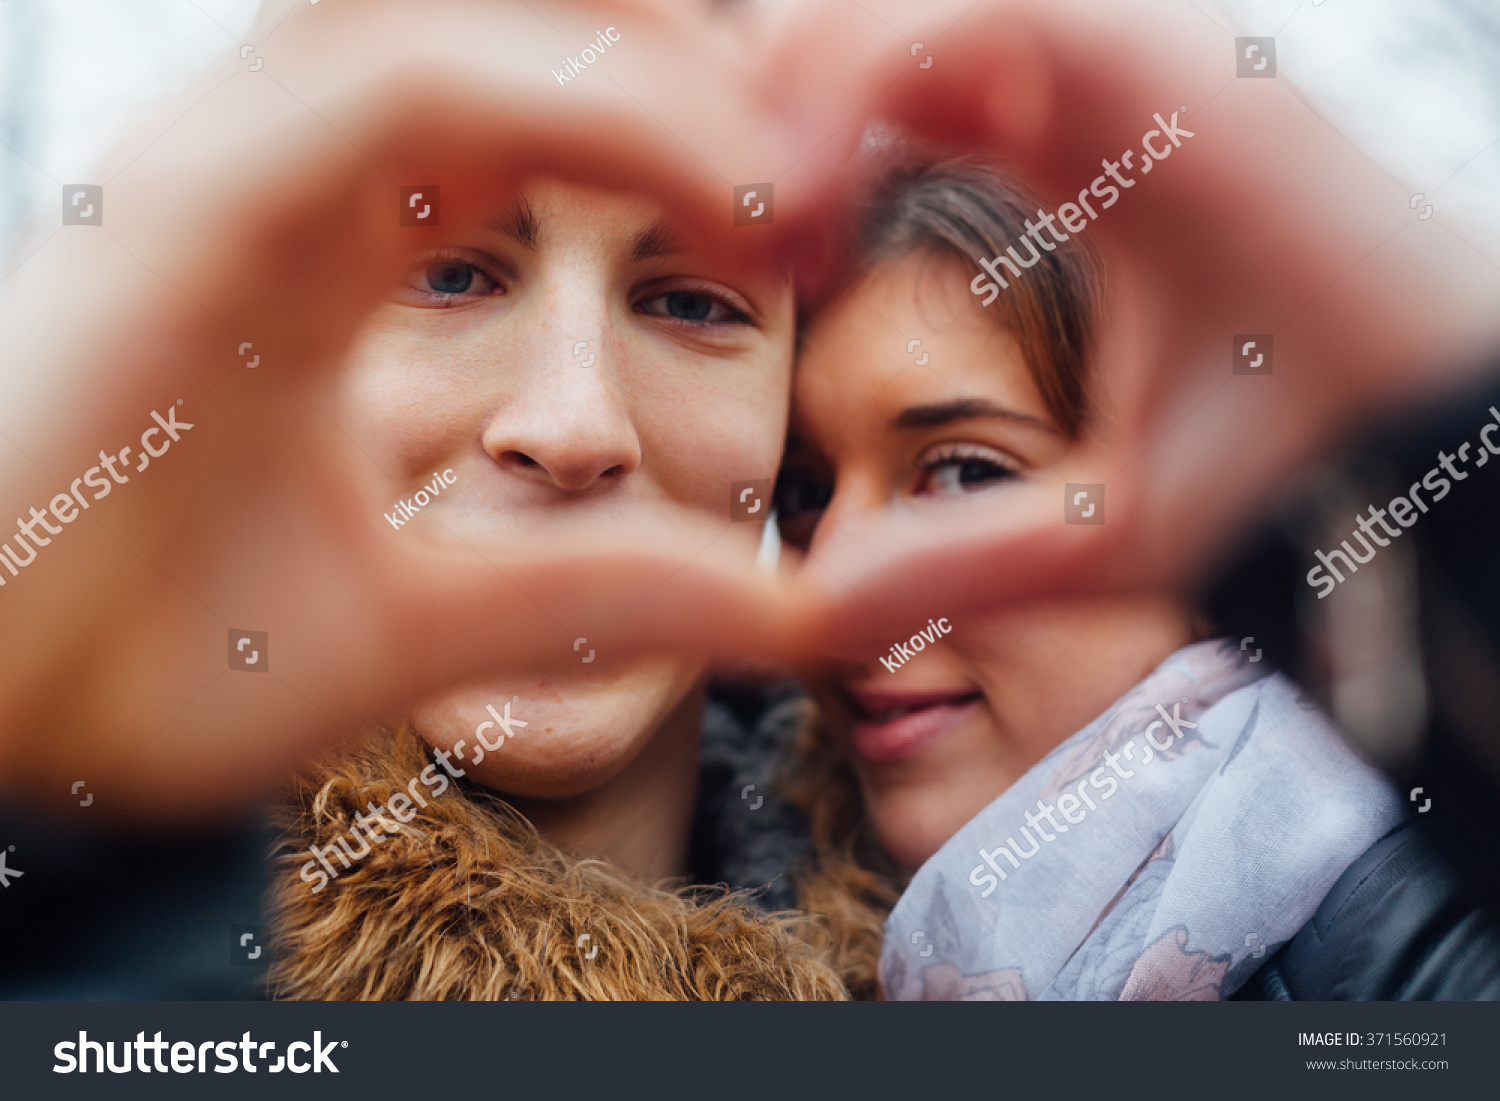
(800, 498)
(798, 494)
(970, 472)
(953, 472)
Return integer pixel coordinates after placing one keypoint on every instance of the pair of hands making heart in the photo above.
(263, 211)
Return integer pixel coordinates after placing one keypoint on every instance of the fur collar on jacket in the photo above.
(465, 901)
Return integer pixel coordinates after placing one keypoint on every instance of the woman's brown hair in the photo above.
(948, 208)
(966, 208)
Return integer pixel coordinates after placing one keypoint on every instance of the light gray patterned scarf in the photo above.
(1162, 852)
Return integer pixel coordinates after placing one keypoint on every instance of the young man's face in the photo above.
(477, 365)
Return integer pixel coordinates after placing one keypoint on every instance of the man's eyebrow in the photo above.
(944, 412)
(521, 225)
(656, 240)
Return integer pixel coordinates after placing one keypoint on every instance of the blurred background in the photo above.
(1415, 86)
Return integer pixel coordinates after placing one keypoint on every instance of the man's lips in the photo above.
(889, 726)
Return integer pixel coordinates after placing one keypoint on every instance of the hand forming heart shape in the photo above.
(261, 211)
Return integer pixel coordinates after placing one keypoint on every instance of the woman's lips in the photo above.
(890, 726)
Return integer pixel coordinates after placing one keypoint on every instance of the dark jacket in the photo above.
(1412, 634)
(101, 913)
(746, 835)
(1397, 926)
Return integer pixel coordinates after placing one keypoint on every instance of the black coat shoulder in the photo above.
(1397, 926)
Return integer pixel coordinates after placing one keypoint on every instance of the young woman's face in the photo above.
(875, 432)
(477, 365)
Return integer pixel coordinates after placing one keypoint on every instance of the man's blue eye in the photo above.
(687, 306)
(701, 310)
(450, 277)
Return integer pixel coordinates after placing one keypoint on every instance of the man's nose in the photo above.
(573, 427)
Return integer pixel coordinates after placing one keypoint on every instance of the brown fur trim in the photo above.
(852, 904)
(852, 885)
(466, 901)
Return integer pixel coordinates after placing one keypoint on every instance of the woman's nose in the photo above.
(857, 504)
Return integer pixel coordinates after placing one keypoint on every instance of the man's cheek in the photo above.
(378, 397)
(707, 466)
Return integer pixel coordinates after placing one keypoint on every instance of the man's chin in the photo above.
(565, 736)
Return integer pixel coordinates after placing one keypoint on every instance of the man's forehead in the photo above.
(555, 213)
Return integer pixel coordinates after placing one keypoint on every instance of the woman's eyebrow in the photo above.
(944, 412)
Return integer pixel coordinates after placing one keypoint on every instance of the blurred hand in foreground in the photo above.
(266, 213)
(1264, 220)
(250, 230)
